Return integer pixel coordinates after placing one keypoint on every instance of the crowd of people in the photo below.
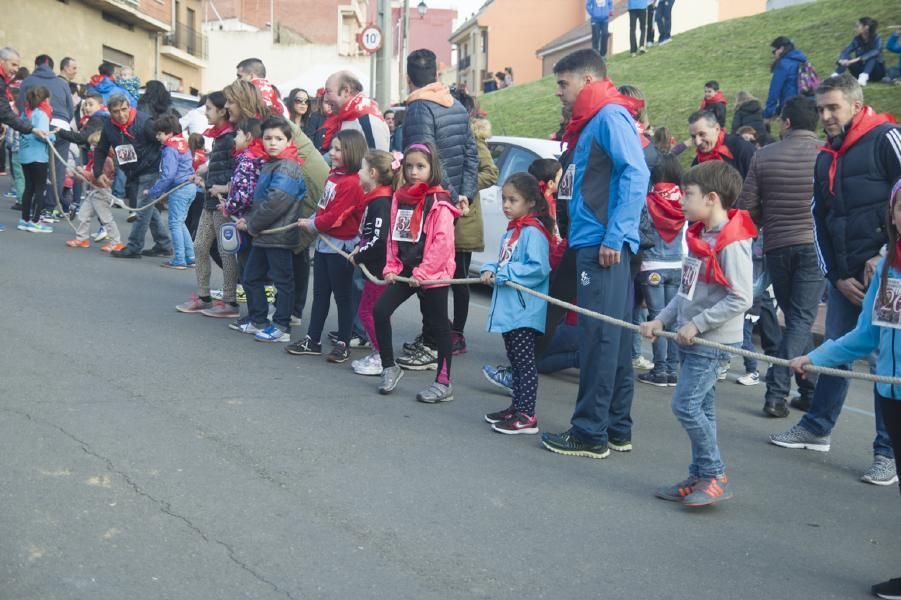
(616, 226)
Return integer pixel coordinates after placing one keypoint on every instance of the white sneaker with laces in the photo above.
(369, 365)
(642, 364)
(881, 472)
(749, 379)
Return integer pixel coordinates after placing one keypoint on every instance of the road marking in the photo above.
(860, 411)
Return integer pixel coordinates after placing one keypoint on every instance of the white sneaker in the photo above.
(862, 79)
(642, 364)
(369, 365)
(100, 235)
(749, 379)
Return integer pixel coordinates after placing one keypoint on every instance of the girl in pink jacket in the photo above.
(420, 246)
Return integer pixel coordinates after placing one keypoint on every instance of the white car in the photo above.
(511, 155)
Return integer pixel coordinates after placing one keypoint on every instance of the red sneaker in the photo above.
(709, 490)
(78, 244)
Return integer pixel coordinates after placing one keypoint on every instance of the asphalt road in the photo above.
(149, 454)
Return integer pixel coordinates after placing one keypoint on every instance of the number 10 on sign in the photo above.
(370, 39)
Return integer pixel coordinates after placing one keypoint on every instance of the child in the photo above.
(197, 146)
(380, 177)
(421, 247)
(660, 270)
(548, 172)
(523, 259)
(337, 219)
(276, 203)
(175, 169)
(98, 201)
(714, 101)
(34, 155)
(715, 291)
(876, 327)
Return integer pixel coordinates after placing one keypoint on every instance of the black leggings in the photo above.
(461, 292)
(891, 415)
(332, 274)
(33, 197)
(520, 345)
(433, 303)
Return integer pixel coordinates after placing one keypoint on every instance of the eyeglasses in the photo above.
(301, 101)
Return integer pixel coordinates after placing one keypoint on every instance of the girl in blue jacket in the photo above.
(523, 259)
(34, 155)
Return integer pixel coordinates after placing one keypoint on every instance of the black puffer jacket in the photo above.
(749, 114)
(7, 115)
(142, 140)
(221, 166)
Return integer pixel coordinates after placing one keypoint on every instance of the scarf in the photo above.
(593, 97)
(739, 227)
(414, 195)
(289, 153)
(10, 96)
(270, 96)
(717, 98)
(255, 150)
(665, 210)
(549, 197)
(720, 150)
(44, 107)
(862, 123)
(177, 143)
(98, 79)
(198, 159)
(123, 127)
(221, 129)
(358, 106)
(379, 191)
(517, 224)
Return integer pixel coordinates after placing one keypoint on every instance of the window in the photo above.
(484, 41)
(348, 26)
(515, 160)
(172, 83)
(117, 57)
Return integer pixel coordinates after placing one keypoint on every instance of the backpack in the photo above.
(808, 80)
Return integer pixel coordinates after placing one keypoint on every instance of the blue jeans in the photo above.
(563, 353)
(873, 68)
(149, 218)
(829, 395)
(659, 288)
(600, 36)
(119, 184)
(664, 18)
(263, 265)
(694, 404)
(606, 380)
(182, 246)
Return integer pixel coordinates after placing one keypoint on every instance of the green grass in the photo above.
(736, 53)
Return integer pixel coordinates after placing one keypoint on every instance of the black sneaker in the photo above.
(567, 443)
(305, 347)
(501, 415)
(652, 378)
(888, 590)
(339, 353)
(672, 380)
(157, 251)
(125, 252)
(619, 445)
(800, 403)
(777, 410)
(414, 345)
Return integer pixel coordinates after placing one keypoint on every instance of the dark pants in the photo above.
(600, 36)
(35, 182)
(872, 67)
(639, 16)
(332, 274)
(62, 146)
(264, 265)
(301, 281)
(664, 18)
(461, 292)
(520, 346)
(149, 218)
(563, 287)
(563, 353)
(605, 351)
(650, 23)
(891, 414)
(767, 325)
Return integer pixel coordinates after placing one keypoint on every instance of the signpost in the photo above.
(370, 39)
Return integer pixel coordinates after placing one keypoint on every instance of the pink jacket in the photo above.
(438, 254)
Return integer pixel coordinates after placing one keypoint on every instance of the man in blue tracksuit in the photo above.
(609, 183)
(600, 12)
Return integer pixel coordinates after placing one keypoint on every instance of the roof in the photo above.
(473, 20)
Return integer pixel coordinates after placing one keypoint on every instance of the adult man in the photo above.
(853, 177)
(777, 193)
(103, 84)
(352, 109)
(600, 12)
(130, 135)
(254, 71)
(9, 112)
(609, 185)
(713, 143)
(68, 69)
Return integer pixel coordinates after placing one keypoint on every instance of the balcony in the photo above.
(130, 14)
(464, 63)
(186, 45)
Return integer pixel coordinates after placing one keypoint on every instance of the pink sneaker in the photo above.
(222, 310)
(518, 423)
(194, 305)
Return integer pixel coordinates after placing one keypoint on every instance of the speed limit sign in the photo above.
(370, 39)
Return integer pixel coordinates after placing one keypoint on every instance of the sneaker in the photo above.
(678, 491)
(500, 376)
(296, 321)
(49, 217)
(117, 202)
(651, 378)
(78, 243)
(420, 360)
(132, 217)
(640, 363)
(569, 444)
(370, 365)
(39, 228)
(240, 293)
(642, 50)
(10, 194)
(672, 380)
(752, 378)
(16, 206)
(356, 341)
(273, 334)
(888, 590)
(777, 410)
(458, 344)
(501, 415)
(112, 247)
(193, 305)
(800, 402)
(435, 393)
(270, 293)
(305, 347)
(390, 377)
(416, 343)
(881, 472)
(619, 445)
(709, 490)
(2, 227)
(171, 265)
(799, 438)
(339, 353)
(632, 54)
(100, 235)
(518, 423)
(666, 41)
(22, 225)
(221, 310)
(125, 252)
(244, 326)
(156, 251)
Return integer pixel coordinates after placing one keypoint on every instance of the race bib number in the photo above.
(565, 189)
(888, 313)
(402, 230)
(507, 250)
(691, 268)
(328, 194)
(125, 154)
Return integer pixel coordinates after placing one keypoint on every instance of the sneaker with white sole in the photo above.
(221, 310)
(500, 376)
(888, 590)
(798, 438)
(881, 472)
(244, 326)
(23, 225)
(370, 365)
(420, 359)
(194, 305)
(752, 378)
(100, 235)
(640, 363)
(517, 424)
(390, 377)
(273, 334)
(40, 228)
(305, 347)
(435, 393)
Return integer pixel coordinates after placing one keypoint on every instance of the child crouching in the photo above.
(98, 201)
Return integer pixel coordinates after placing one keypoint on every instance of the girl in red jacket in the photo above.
(420, 246)
(337, 219)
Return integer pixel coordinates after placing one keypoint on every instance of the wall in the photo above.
(432, 31)
(730, 9)
(775, 4)
(316, 20)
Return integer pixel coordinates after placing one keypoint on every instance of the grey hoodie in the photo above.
(60, 96)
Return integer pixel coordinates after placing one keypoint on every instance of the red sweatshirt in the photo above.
(340, 207)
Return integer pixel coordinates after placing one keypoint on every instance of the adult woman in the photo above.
(863, 56)
(299, 109)
(244, 101)
(748, 114)
(312, 125)
(787, 61)
(156, 100)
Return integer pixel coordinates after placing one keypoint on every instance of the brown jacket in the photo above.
(779, 188)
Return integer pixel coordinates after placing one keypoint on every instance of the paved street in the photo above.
(150, 454)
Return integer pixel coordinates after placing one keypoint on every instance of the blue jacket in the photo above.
(610, 183)
(857, 49)
(60, 96)
(638, 4)
(894, 45)
(32, 149)
(277, 201)
(784, 83)
(107, 88)
(175, 169)
(865, 338)
(530, 267)
(599, 10)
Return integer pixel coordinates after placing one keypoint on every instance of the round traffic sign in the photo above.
(371, 39)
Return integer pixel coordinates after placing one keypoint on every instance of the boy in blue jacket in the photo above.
(176, 168)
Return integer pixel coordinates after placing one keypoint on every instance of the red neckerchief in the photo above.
(220, 129)
(98, 78)
(177, 143)
(99, 112)
(862, 123)
(593, 97)
(720, 150)
(270, 96)
(665, 210)
(358, 106)
(739, 227)
(641, 136)
(123, 127)
(198, 159)
(551, 201)
(717, 98)
(289, 153)
(414, 195)
(255, 150)
(518, 224)
(379, 191)
(10, 96)
(44, 107)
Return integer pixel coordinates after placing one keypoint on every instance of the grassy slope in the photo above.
(735, 53)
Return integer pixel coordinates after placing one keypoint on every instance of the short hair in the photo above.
(388, 112)
(422, 67)
(43, 59)
(717, 177)
(707, 115)
(783, 42)
(667, 170)
(96, 96)
(713, 84)
(845, 83)
(348, 80)
(279, 123)
(65, 62)
(167, 124)
(36, 95)
(7, 52)
(429, 150)
(117, 100)
(545, 169)
(251, 127)
(254, 66)
(107, 69)
(353, 149)
(582, 61)
(801, 112)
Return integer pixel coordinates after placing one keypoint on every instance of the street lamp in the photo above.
(421, 8)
